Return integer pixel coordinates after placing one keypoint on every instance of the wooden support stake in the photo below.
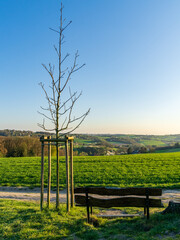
(71, 169)
(42, 173)
(57, 176)
(49, 172)
(67, 175)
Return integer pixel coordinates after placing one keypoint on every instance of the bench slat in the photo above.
(120, 191)
(117, 202)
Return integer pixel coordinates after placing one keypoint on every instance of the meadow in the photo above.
(24, 220)
(148, 170)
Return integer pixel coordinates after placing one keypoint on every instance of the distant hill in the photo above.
(26, 143)
(19, 133)
(107, 139)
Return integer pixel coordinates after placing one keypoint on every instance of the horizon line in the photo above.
(170, 134)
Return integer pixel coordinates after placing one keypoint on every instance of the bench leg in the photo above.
(91, 210)
(147, 203)
(88, 218)
(148, 212)
(145, 212)
(87, 206)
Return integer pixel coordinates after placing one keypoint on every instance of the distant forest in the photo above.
(16, 143)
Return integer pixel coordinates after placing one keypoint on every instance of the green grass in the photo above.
(152, 142)
(23, 220)
(116, 143)
(168, 150)
(151, 170)
(83, 141)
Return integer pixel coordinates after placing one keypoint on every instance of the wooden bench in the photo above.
(117, 197)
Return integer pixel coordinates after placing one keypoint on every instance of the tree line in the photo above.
(19, 147)
(31, 146)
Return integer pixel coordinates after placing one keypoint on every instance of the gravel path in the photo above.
(26, 194)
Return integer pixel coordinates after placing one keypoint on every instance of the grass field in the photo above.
(153, 142)
(168, 150)
(153, 170)
(23, 220)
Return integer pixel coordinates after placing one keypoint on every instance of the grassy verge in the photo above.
(23, 220)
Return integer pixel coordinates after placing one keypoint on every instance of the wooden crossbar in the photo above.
(46, 139)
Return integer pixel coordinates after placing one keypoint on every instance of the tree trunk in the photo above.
(173, 207)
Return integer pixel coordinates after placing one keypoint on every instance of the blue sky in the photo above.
(131, 48)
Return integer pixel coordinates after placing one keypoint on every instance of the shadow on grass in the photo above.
(140, 228)
(20, 220)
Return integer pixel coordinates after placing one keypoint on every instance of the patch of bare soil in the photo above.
(171, 195)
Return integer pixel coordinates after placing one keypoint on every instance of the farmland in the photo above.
(26, 144)
(151, 170)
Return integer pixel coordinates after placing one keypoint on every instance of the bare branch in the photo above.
(46, 116)
(49, 102)
(43, 126)
(45, 109)
(51, 71)
(54, 30)
(72, 104)
(67, 55)
(47, 97)
(56, 50)
(73, 69)
(67, 101)
(79, 67)
(83, 118)
(66, 26)
(62, 127)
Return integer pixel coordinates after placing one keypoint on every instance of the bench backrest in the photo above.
(136, 197)
(119, 191)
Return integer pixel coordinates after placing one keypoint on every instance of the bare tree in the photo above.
(59, 111)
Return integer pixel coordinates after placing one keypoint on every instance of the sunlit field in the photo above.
(152, 170)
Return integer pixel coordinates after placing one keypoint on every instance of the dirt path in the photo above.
(169, 195)
(26, 194)
(22, 193)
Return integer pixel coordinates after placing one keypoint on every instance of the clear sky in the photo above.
(131, 48)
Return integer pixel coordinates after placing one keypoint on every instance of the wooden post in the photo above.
(57, 175)
(67, 174)
(49, 172)
(42, 173)
(72, 177)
